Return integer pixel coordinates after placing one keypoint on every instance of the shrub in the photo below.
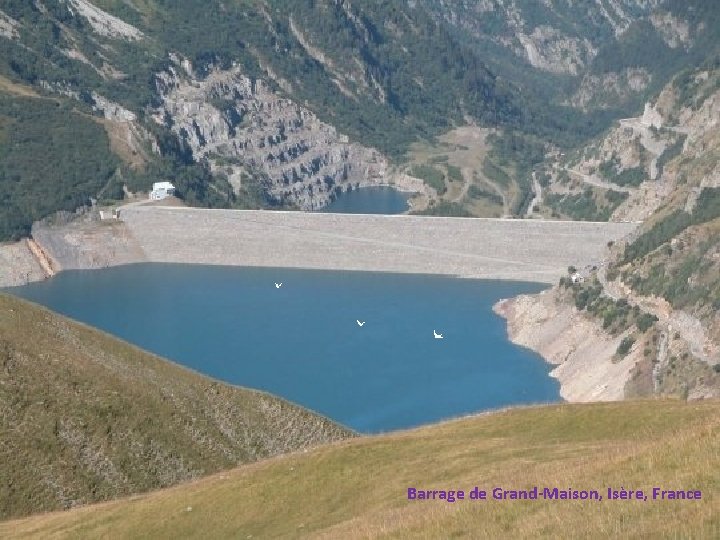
(431, 176)
(645, 321)
(625, 345)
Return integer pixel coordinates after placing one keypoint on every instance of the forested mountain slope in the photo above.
(601, 54)
(263, 103)
(311, 97)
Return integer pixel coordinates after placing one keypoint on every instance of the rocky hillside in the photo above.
(247, 104)
(86, 417)
(606, 54)
(242, 128)
(656, 295)
(642, 162)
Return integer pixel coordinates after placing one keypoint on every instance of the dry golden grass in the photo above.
(357, 488)
(125, 143)
(10, 87)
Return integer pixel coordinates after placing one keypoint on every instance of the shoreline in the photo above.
(577, 347)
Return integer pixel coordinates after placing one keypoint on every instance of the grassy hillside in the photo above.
(359, 488)
(85, 417)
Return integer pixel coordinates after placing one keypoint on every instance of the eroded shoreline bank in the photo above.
(581, 351)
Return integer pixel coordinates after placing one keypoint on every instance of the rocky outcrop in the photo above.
(675, 32)
(105, 24)
(8, 26)
(18, 265)
(242, 127)
(669, 127)
(549, 49)
(609, 89)
(559, 37)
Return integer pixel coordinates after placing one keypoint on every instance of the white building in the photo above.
(161, 190)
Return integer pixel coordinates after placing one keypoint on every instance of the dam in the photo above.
(228, 316)
(507, 249)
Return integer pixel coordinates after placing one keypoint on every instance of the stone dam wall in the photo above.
(528, 250)
(531, 250)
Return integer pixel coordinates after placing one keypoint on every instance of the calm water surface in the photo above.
(370, 200)
(302, 341)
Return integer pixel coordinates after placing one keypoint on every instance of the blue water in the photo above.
(369, 200)
(302, 341)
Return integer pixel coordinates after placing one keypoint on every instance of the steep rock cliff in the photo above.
(242, 127)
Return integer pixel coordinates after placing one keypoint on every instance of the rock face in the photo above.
(8, 26)
(607, 89)
(548, 49)
(105, 24)
(671, 126)
(18, 266)
(675, 32)
(552, 35)
(242, 128)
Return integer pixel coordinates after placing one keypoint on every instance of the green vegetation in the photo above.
(670, 153)
(617, 315)
(641, 46)
(87, 417)
(390, 101)
(706, 209)
(495, 174)
(683, 279)
(444, 209)
(359, 488)
(432, 176)
(633, 176)
(454, 173)
(476, 192)
(692, 90)
(625, 346)
(509, 164)
(590, 205)
(407, 75)
(52, 157)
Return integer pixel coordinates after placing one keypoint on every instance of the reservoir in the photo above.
(369, 200)
(301, 340)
